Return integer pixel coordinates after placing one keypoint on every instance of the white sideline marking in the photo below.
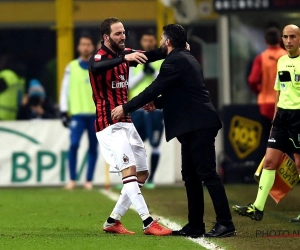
(171, 224)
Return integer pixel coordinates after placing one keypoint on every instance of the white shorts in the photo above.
(122, 147)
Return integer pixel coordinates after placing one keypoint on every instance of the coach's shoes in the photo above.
(250, 211)
(116, 228)
(190, 231)
(296, 219)
(154, 228)
(219, 231)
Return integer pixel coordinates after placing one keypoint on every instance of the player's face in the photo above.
(85, 47)
(163, 44)
(148, 42)
(117, 37)
(291, 39)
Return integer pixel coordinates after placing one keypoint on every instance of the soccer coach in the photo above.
(189, 115)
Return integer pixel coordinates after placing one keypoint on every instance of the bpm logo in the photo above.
(244, 135)
(28, 159)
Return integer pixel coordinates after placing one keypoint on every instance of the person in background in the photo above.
(263, 74)
(149, 125)
(78, 110)
(35, 104)
(12, 87)
(284, 135)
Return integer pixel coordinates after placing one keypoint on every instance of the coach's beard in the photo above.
(164, 49)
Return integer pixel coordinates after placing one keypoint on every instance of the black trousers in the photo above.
(199, 165)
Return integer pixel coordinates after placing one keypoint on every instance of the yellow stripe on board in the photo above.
(83, 11)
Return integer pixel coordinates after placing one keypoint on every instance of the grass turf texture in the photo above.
(59, 219)
(45, 218)
(171, 202)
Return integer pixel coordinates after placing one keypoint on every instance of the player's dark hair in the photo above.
(272, 36)
(176, 34)
(105, 27)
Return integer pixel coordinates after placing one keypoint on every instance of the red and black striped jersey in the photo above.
(109, 80)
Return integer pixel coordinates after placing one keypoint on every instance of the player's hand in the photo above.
(38, 109)
(117, 113)
(187, 47)
(149, 107)
(65, 119)
(25, 99)
(137, 57)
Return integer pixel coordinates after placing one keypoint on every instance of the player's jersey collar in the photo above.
(107, 50)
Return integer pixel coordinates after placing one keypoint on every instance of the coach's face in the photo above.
(117, 37)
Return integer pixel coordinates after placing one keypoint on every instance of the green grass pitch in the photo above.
(53, 218)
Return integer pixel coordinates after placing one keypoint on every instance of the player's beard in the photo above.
(116, 46)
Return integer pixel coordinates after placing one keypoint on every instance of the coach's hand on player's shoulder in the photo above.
(117, 113)
(149, 107)
(137, 57)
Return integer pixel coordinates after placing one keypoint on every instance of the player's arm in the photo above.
(64, 98)
(277, 88)
(276, 101)
(98, 64)
(64, 91)
(3, 85)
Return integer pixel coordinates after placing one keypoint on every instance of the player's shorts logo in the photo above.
(125, 159)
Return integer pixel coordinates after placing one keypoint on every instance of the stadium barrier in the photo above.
(35, 153)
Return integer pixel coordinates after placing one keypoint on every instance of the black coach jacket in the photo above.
(180, 91)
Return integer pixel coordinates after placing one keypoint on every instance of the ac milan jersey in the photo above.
(109, 80)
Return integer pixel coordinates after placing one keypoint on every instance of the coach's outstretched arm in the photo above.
(154, 55)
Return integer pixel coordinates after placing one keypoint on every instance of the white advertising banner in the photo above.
(35, 153)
